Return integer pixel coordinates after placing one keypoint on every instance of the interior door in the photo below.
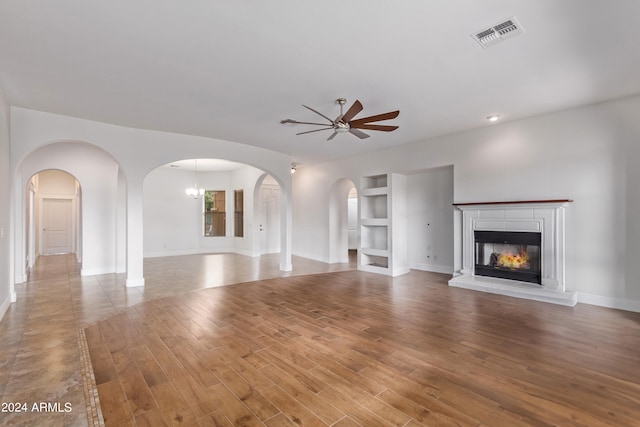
(57, 233)
(270, 219)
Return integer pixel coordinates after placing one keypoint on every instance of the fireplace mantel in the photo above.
(516, 202)
(542, 216)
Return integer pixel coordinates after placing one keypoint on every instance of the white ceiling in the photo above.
(234, 69)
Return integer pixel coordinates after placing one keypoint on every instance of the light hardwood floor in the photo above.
(40, 359)
(339, 348)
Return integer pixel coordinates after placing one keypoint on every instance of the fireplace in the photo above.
(514, 248)
(508, 255)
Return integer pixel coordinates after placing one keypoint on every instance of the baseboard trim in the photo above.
(444, 269)
(5, 306)
(132, 283)
(312, 257)
(96, 271)
(192, 252)
(609, 302)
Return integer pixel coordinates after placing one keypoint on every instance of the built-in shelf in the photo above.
(375, 191)
(374, 181)
(374, 224)
(376, 252)
(374, 206)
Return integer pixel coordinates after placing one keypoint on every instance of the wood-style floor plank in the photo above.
(350, 348)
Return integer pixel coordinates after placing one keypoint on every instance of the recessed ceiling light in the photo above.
(493, 117)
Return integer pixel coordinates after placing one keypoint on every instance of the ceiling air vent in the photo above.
(498, 32)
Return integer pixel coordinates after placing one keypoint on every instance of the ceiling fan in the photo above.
(344, 122)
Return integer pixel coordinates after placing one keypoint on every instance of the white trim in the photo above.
(609, 302)
(132, 283)
(313, 257)
(286, 267)
(97, 271)
(202, 251)
(5, 304)
(512, 288)
(444, 269)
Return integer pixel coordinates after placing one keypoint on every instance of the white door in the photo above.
(57, 232)
(270, 219)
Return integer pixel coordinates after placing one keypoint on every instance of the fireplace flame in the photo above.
(511, 260)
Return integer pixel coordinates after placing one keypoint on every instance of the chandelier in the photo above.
(195, 191)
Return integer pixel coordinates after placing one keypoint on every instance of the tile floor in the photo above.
(40, 356)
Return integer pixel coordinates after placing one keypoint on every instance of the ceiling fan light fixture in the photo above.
(346, 121)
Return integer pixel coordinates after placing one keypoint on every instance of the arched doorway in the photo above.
(53, 215)
(343, 221)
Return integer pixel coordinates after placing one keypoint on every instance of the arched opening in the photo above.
(343, 222)
(235, 208)
(68, 201)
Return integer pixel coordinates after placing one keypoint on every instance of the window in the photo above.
(214, 213)
(238, 213)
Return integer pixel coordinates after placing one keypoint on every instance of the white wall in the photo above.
(5, 212)
(430, 220)
(586, 154)
(56, 183)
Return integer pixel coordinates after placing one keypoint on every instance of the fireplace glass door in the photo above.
(508, 255)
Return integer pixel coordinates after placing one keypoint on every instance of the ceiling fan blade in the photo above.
(352, 111)
(358, 133)
(376, 118)
(315, 130)
(301, 123)
(367, 126)
(318, 113)
(333, 135)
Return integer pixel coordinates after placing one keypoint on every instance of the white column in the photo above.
(18, 230)
(135, 234)
(286, 227)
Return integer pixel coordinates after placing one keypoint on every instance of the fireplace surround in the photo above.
(515, 249)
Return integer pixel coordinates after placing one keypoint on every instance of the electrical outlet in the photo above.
(435, 257)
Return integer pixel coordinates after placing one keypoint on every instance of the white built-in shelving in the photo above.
(374, 224)
(376, 252)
